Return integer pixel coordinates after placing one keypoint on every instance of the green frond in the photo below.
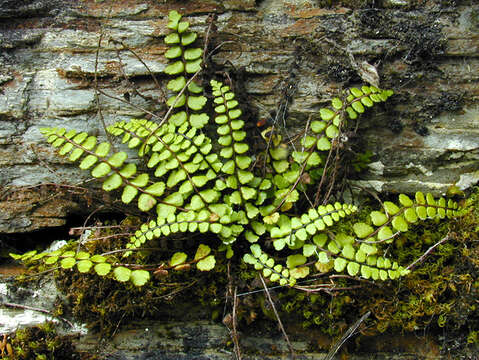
(357, 254)
(112, 169)
(296, 230)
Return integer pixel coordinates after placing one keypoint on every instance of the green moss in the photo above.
(41, 343)
(353, 4)
(105, 304)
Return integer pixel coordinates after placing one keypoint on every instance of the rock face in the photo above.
(286, 58)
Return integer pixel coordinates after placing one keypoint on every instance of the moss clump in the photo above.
(41, 343)
(105, 304)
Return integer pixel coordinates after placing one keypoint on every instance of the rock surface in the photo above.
(285, 55)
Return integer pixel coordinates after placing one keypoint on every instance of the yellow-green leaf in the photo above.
(84, 266)
(101, 170)
(178, 258)
(67, 263)
(139, 277)
(326, 114)
(362, 230)
(206, 264)
(102, 268)
(120, 273)
(146, 202)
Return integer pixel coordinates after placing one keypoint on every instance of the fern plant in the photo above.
(195, 183)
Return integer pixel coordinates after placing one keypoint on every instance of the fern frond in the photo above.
(296, 230)
(79, 147)
(357, 254)
(319, 139)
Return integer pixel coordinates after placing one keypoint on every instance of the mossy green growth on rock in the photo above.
(40, 343)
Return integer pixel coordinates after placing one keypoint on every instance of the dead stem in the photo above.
(80, 243)
(129, 103)
(428, 251)
(234, 333)
(346, 336)
(170, 295)
(160, 89)
(231, 320)
(293, 355)
(25, 307)
(97, 97)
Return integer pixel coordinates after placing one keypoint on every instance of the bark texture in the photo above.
(286, 59)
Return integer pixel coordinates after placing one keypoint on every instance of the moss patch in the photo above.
(41, 343)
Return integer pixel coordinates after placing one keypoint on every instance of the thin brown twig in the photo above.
(12, 190)
(234, 333)
(293, 355)
(44, 163)
(108, 237)
(207, 36)
(231, 319)
(346, 336)
(80, 243)
(129, 103)
(323, 178)
(428, 251)
(174, 292)
(305, 131)
(44, 311)
(327, 288)
(40, 273)
(372, 193)
(379, 241)
(155, 80)
(118, 325)
(125, 250)
(332, 180)
(127, 79)
(99, 227)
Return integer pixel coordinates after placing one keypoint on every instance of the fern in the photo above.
(193, 183)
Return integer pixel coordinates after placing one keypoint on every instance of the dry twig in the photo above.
(428, 251)
(293, 355)
(25, 307)
(346, 336)
(231, 320)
